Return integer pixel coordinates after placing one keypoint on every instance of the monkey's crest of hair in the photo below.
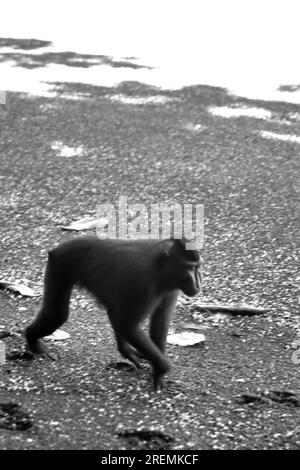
(189, 255)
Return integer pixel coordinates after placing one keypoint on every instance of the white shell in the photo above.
(185, 338)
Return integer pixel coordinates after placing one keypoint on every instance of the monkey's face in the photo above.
(191, 281)
(180, 268)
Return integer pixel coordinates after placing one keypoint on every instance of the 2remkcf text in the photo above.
(151, 459)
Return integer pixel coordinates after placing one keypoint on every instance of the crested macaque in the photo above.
(133, 279)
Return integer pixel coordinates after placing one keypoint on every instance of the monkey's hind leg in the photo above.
(128, 351)
(144, 345)
(54, 310)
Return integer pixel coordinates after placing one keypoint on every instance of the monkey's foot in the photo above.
(158, 382)
(130, 353)
(38, 347)
(134, 358)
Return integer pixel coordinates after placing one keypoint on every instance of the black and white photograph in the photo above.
(149, 208)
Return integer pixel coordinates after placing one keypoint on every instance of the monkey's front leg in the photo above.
(160, 319)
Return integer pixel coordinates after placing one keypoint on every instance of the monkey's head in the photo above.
(181, 268)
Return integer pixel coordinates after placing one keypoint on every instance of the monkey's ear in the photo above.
(163, 257)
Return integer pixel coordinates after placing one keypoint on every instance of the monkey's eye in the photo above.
(194, 266)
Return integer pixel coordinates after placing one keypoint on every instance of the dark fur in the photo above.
(132, 279)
